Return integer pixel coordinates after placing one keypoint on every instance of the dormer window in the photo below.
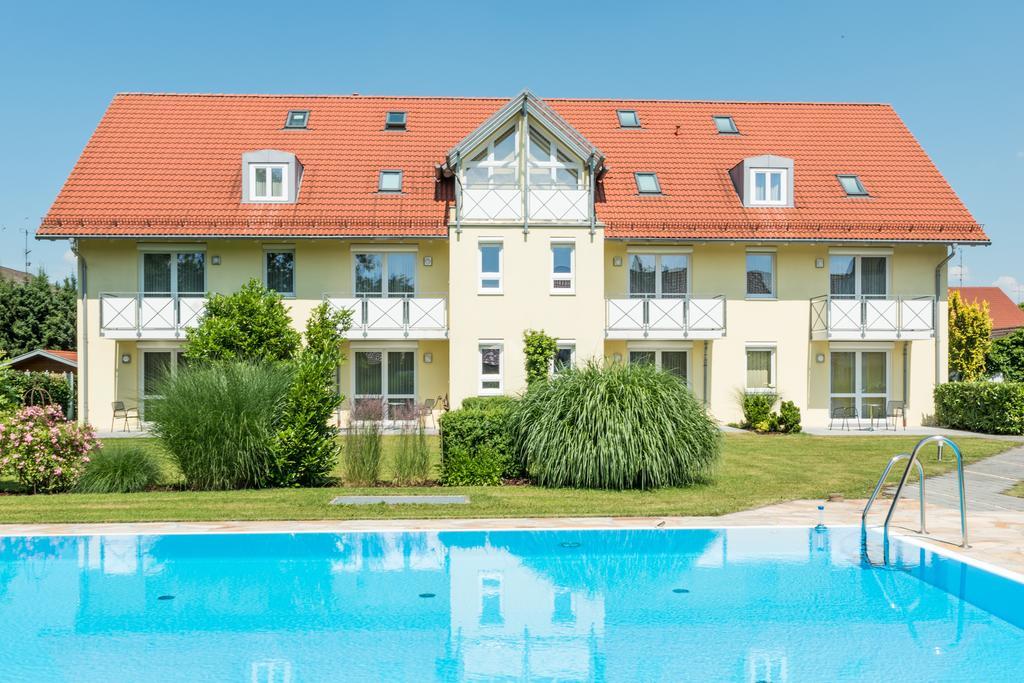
(725, 125)
(495, 165)
(390, 181)
(267, 182)
(297, 118)
(395, 120)
(769, 186)
(647, 183)
(628, 118)
(852, 186)
(549, 165)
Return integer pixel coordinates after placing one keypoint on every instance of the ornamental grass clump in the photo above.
(44, 452)
(121, 468)
(614, 427)
(364, 445)
(217, 421)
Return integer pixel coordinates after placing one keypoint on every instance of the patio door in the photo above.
(860, 379)
(385, 385)
(166, 276)
(658, 275)
(673, 361)
(385, 274)
(855, 277)
(155, 366)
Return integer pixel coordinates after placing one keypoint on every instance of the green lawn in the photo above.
(755, 471)
(1017, 490)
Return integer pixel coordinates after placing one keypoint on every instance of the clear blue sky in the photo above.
(953, 70)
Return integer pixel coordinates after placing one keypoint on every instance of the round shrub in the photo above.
(217, 421)
(124, 468)
(614, 427)
(44, 452)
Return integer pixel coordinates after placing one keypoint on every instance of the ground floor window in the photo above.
(760, 369)
(671, 360)
(156, 365)
(385, 384)
(860, 381)
(565, 356)
(491, 367)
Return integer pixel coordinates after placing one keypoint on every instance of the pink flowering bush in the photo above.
(45, 453)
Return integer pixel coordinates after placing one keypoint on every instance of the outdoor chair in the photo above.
(896, 410)
(427, 410)
(844, 414)
(123, 413)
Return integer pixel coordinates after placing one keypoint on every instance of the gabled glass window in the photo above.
(495, 165)
(647, 183)
(395, 120)
(725, 125)
(852, 186)
(549, 165)
(297, 118)
(628, 118)
(390, 181)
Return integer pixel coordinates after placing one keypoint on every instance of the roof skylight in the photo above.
(297, 118)
(852, 185)
(390, 181)
(395, 120)
(647, 183)
(725, 125)
(628, 118)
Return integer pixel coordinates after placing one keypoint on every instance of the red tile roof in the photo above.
(162, 164)
(66, 355)
(1005, 314)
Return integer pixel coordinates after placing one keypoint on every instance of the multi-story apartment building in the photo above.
(795, 248)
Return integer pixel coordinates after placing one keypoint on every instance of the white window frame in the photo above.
(560, 344)
(773, 384)
(481, 275)
(551, 167)
(657, 348)
(859, 394)
(174, 251)
(571, 275)
(384, 349)
(658, 285)
(774, 294)
(253, 197)
(271, 249)
(768, 173)
(858, 285)
(157, 347)
(490, 163)
(482, 345)
(385, 273)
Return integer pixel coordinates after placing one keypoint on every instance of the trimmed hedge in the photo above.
(988, 407)
(476, 447)
(16, 386)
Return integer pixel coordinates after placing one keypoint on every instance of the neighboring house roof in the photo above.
(1006, 315)
(14, 275)
(170, 165)
(68, 358)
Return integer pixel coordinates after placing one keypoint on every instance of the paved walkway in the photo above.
(985, 484)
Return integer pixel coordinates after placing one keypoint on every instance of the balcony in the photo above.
(423, 316)
(853, 318)
(543, 204)
(683, 317)
(149, 315)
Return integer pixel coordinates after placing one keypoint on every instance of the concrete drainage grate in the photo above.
(400, 500)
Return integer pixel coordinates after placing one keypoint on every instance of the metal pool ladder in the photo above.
(912, 460)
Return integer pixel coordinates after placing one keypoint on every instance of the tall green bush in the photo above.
(621, 426)
(19, 388)
(539, 349)
(306, 445)
(218, 420)
(1006, 356)
(476, 447)
(970, 330)
(37, 314)
(757, 409)
(987, 407)
(251, 324)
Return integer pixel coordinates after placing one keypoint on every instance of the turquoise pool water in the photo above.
(758, 604)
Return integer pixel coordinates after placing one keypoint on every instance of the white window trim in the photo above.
(156, 347)
(253, 197)
(859, 394)
(768, 201)
(490, 163)
(481, 276)
(773, 386)
(571, 276)
(774, 294)
(563, 344)
(385, 271)
(383, 348)
(657, 254)
(481, 377)
(273, 249)
(553, 164)
(857, 283)
(660, 347)
(174, 250)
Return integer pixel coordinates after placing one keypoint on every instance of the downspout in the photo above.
(592, 164)
(704, 374)
(458, 196)
(523, 133)
(935, 313)
(83, 345)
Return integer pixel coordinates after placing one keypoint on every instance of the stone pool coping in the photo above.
(997, 538)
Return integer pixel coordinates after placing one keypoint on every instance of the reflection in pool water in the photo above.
(739, 604)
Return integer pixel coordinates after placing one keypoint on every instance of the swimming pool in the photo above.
(744, 604)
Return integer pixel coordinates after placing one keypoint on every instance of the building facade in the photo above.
(799, 249)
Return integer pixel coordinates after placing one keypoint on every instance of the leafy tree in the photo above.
(1007, 357)
(306, 446)
(251, 324)
(37, 314)
(540, 349)
(970, 330)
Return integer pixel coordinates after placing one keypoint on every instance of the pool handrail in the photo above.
(878, 487)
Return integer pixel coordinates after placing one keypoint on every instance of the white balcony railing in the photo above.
(149, 315)
(505, 204)
(684, 317)
(423, 316)
(845, 318)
